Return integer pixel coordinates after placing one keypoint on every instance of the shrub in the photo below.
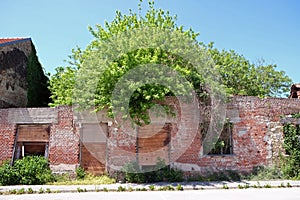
(8, 176)
(133, 174)
(160, 172)
(31, 170)
(265, 173)
(80, 173)
(291, 163)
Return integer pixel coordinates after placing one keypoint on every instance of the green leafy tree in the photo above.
(238, 74)
(242, 77)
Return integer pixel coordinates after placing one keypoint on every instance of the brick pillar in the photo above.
(7, 136)
(64, 142)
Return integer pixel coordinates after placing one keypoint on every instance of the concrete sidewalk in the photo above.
(185, 185)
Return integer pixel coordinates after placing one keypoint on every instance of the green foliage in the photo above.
(38, 94)
(241, 77)
(21, 191)
(30, 191)
(80, 173)
(246, 186)
(81, 190)
(48, 190)
(31, 170)
(297, 115)
(238, 74)
(265, 173)
(89, 179)
(291, 164)
(179, 187)
(121, 189)
(8, 176)
(151, 187)
(160, 172)
(41, 191)
(225, 186)
(62, 85)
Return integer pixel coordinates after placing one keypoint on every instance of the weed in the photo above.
(48, 190)
(282, 185)
(179, 187)
(41, 191)
(87, 180)
(80, 173)
(80, 190)
(225, 186)
(30, 191)
(14, 191)
(246, 186)
(267, 186)
(151, 187)
(121, 189)
(105, 189)
(288, 185)
(20, 191)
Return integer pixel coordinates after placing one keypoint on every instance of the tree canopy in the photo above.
(237, 74)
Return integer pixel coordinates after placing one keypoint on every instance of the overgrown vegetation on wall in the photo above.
(38, 94)
(239, 75)
(291, 163)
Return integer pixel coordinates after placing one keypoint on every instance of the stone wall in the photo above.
(13, 79)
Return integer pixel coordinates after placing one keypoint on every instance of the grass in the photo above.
(87, 180)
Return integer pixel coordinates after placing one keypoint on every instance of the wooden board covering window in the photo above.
(33, 133)
(153, 143)
(93, 148)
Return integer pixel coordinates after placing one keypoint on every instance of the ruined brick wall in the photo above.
(64, 142)
(13, 79)
(7, 136)
(257, 136)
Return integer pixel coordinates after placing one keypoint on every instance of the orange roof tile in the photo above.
(6, 40)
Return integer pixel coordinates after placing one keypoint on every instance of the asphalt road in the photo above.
(231, 194)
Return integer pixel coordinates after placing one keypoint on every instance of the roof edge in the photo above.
(15, 41)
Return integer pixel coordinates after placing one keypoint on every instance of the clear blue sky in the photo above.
(268, 29)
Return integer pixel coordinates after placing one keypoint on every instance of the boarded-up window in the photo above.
(153, 144)
(93, 147)
(32, 140)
